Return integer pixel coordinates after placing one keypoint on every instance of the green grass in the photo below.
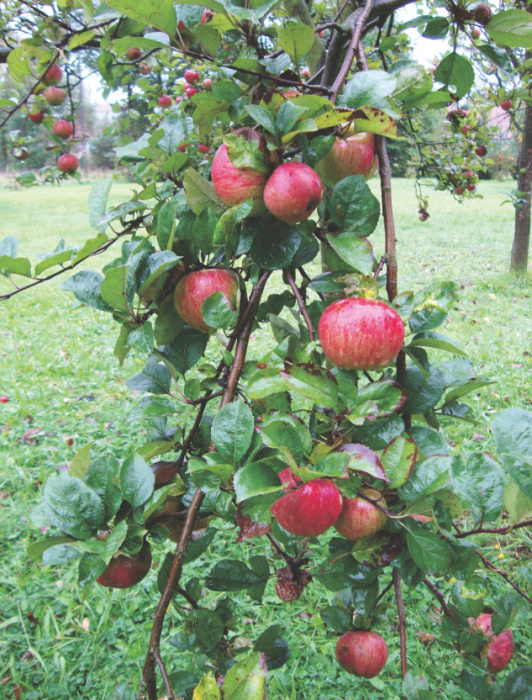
(58, 369)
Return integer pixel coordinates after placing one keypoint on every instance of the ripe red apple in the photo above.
(203, 148)
(482, 13)
(481, 151)
(423, 215)
(53, 75)
(309, 510)
(498, 651)
(292, 192)
(133, 54)
(362, 653)
(353, 155)
(191, 76)
(207, 15)
(124, 572)
(458, 190)
(360, 518)
(475, 33)
(289, 480)
(165, 101)
(63, 129)
(20, 153)
(36, 117)
(470, 187)
(54, 96)
(144, 68)
(179, 98)
(207, 84)
(234, 185)
(506, 105)
(363, 334)
(190, 92)
(194, 287)
(306, 72)
(468, 175)
(4, 399)
(68, 162)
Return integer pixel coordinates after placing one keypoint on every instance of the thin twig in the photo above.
(301, 304)
(402, 620)
(494, 530)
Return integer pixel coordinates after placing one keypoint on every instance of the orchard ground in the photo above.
(60, 642)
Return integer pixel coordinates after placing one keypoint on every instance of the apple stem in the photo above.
(402, 620)
(301, 304)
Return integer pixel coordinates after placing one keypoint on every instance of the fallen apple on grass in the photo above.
(362, 653)
(358, 333)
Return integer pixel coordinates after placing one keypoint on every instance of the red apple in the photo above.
(475, 33)
(310, 509)
(53, 75)
(144, 68)
(4, 399)
(63, 129)
(423, 215)
(203, 148)
(183, 147)
(458, 190)
(506, 105)
(207, 84)
(54, 96)
(482, 13)
(481, 151)
(362, 653)
(292, 192)
(165, 101)
(207, 15)
(289, 480)
(68, 162)
(179, 98)
(471, 187)
(353, 155)
(36, 117)
(124, 572)
(498, 651)
(363, 334)
(306, 72)
(190, 92)
(234, 185)
(20, 153)
(191, 76)
(468, 175)
(133, 54)
(194, 287)
(360, 518)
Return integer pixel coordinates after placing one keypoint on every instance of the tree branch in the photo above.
(357, 29)
(301, 304)
(402, 620)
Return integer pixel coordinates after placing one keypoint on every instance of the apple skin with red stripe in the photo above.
(310, 509)
(362, 334)
(195, 287)
(362, 653)
(360, 518)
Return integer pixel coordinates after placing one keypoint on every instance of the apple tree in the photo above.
(252, 215)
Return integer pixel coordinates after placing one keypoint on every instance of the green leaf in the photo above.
(217, 311)
(168, 324)
(154, 378)
(15, 266)
(72, 507)
(232, 431)
(436, 28)
(398, 460)
(90, 246)
(79, 466)
(155, 13)
(51, 260)
(511, 28)
(113, 289)
(232, 575)
(98, 200)
(353, 249)
(295, 38)
(429, 551)
(184, 351)
(100, 477)
(200, 545)
(512, 429)
(313, 383)
(264, 383)
(372, 87)
(375, 400)
(274, 645)
(516, 502)
(354, 207)
(255, 479)
(435, 340)
(337, 619)
(137, 480)
(18, 63)
(482, 483)
(9, 247)
(35, 550)
(423, 392)
(245, 154)
(456, 71)
(429, 475)
(90, 567)
(518, 684)
(265, 118)
(276, 249)
(207, 689)
(208, 107)
(246, 680)
(200, 193)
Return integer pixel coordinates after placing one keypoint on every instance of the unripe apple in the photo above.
(53, 75)
(203, 148)
(191, 76)
(506, 105)
(310, 509)
(133, 54)
(292, 192)
(68, 162)
(144, 68)
(363, 334)
(4, 399)
(499, 649)
(481, 151)
(475, 33)
(362, 653)
(194, 287)
(482, 13)
(207, 84)
(234, 185)
(353, 155)
(54, 96)
(360, 518)
(124, 572)
(190, 92)
(36, 117)
(165, 101)
(63, 129)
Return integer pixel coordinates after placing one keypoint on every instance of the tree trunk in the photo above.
(519, 262)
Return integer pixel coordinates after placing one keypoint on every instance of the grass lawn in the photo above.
(58, 369)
